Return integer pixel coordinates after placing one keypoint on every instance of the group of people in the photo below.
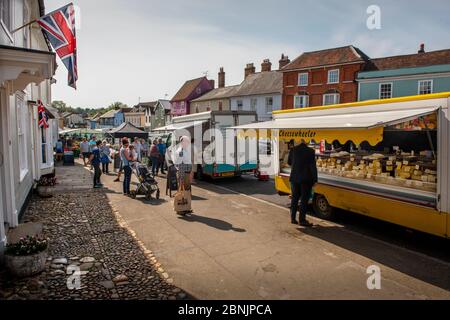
(96, 153)
(136, 152)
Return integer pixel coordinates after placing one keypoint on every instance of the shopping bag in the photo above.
(182, 201)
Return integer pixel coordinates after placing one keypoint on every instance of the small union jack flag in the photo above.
(59, 26)
(43, 116)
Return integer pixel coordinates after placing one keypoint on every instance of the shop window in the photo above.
(333, 76)
(302, 79)
(301, 101)
(385, 90)
(425, 86)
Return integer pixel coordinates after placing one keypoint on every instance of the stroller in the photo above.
(147, 183)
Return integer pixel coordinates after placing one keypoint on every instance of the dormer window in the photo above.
(199, 90)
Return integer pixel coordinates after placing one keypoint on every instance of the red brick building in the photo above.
(323, 77)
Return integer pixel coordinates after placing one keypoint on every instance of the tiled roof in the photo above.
(261, 83)
(335, 56)
(109, 114)
(166, 104)
(219, 93)
(187, 89)
(410, 61)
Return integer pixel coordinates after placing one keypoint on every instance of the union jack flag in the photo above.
(59, 26)
(43, 117)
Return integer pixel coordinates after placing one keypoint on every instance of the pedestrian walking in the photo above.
(126, 159)
(119, 174)
(138, 148)
(162, 155)
(144, 151)
(85, 151)
(303, 177)
(155, 157)
(183, 162)
(105, 156)
(95, 161)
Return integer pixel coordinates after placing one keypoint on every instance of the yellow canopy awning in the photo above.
(372, 136)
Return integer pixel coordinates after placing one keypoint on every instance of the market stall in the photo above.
(387, 159)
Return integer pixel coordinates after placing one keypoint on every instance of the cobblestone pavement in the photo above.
(85, 231)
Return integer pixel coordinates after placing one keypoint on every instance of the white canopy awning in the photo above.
(24, 66)
(356, 120)
(180, 126)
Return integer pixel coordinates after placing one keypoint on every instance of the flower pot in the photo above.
(44, 192)
(26, 266)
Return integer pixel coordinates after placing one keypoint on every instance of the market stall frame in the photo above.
(418, 216)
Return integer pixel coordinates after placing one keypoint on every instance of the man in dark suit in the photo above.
(302, 160)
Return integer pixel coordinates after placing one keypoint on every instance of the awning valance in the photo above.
(24, 66)
(356, 127)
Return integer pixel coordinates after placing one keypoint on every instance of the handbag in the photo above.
(182, 201)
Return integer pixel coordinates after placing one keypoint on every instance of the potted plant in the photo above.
(26, 257)
(44, 186)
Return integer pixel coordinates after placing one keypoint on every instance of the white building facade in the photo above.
(27, 66)
(261, 92)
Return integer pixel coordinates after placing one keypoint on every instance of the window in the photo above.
(303, 79)
(253, 104)
(26, 19)
(331, 98)
(333, 76)
(425, 86)
(199, 90)
(269, 104)
(301, 101)
(22, 120)
(385, 90)
(5, 14)
(240, 105)
(44, 145)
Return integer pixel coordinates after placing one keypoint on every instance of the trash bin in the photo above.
(117, 161)
(68, 159)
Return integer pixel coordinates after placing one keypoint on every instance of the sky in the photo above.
(144, 50)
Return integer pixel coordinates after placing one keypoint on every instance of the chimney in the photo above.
(213, 83)
(266, 66)
(250, 69)
(284, 61)
(422, 48)
(221, 78)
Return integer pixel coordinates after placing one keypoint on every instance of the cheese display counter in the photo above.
(387, 159)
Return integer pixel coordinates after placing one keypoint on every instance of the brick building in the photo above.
(323, 77)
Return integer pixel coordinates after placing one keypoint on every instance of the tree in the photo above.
(117, 106)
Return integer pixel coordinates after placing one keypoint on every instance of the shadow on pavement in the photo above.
(211, 222)
(403, 261)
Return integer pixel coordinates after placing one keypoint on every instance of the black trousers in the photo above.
(300, 192)
(105, 167)
(97, 174)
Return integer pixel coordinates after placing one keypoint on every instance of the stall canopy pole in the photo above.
(431, 144)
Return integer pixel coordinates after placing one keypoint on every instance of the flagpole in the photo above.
(24, 26)
(34, 21)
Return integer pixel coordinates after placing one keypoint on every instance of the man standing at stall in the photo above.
(302, 160)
